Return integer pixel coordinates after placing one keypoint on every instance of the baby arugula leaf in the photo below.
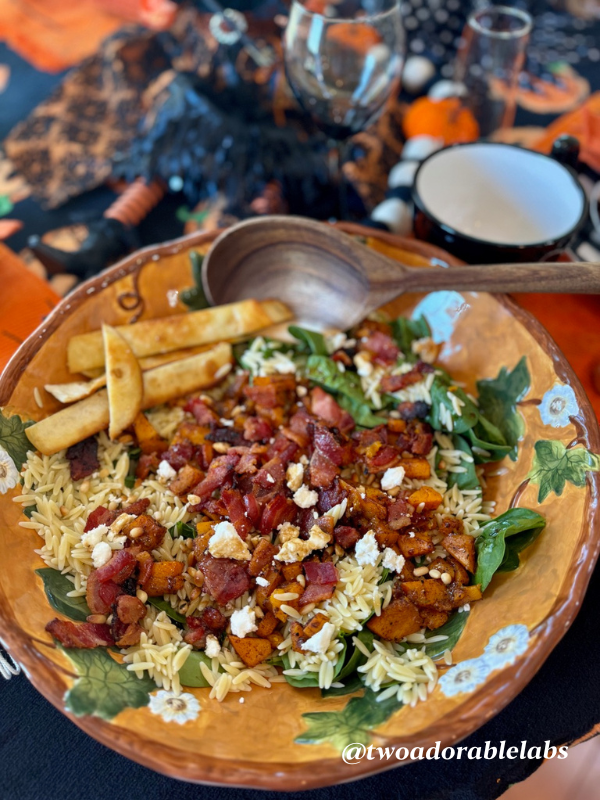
(491, 543)
(315, 342)
(498, 398)
(57, 586)
(104, 687)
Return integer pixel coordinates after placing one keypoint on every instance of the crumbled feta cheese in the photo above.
(228, 423)
(391, 478)
(301, 391)
(337, 341)
(305, 497)
(101, 553)
(93, 537)
(392, 560)
(294, 475)
(367, 550)
(166, 471)
(304, 460)
(363, 364)
(287, 531)
(226, 543)
(337, 512)
(295, 549)
(213, 648)
(317, 538)
(262, 581)
(243, 621)
(270, 478)
(319, 643)
(426, 349)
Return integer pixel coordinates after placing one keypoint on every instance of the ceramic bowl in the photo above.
(489, 202)
(274, 740)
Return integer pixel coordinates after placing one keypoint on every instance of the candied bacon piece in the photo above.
(300, 421)
(137, 507)
(322, 470)
(101, 596)
(271, 391)
(83, 458)
(399, 513)
(385, 457)
(82, 635)
(304, 520)
(214, 620)
(224, 578)
(417, 438)
(126, 635)
(188, 476)
(179, 454)
(272, 475)
(326, 524)
(196, 636)
(318, 572)
(130, 609)
(365, 439)
(394, 383)
(226, 434)
(147, 464)
(201, 410)
(248, 463)
(331, 445)
(301, 439)
(324, 406)
(236, 511)
(257, 429)
(119, 568)
(330, 497)
(263, 554)
(346, 536)
(282, 448)
(384, 349)
(219, 474)
(253, 510)
(316, 593)
(100, 516)
(145, 562)
(275, 513)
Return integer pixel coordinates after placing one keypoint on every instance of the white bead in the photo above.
(417, 71)
(396, 214)
(419, 147)
(403, 174)
(443, 89)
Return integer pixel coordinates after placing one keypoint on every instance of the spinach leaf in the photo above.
(468, 479)
(56, 586)
(356, 658)
(322, 370)
(514, 545)
(360, 412)
(134, 457)
(315, 342)
(478, 437)
(491, 543)
(311, 679)
(190, 674)
(405, 331)
(164, 605)
(184, 530)
(498, 398)
(440, 398)
(28, 510)
(352, 684)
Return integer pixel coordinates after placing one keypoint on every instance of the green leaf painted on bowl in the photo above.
(56, 587)
(554, 464)
(498, 398)
(353, 724)
(104, 687)
(14, 439)
(190, 674)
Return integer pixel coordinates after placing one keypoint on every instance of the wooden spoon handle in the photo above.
(569, 277)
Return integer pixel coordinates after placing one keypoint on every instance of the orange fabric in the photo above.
(25, 300)
(584, 124)
(55, 34)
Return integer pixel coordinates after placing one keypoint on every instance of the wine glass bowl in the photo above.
(343, 62)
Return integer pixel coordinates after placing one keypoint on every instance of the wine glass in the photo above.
(343, 61)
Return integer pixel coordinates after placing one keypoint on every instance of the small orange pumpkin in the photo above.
(358, 36)
(447, 119)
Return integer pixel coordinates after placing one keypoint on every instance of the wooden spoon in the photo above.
(330, 279)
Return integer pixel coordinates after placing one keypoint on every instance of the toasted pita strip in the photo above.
(80, 420)
(71, 392)
(124, 382)
(166, 334)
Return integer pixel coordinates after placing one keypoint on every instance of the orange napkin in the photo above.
(25, 300)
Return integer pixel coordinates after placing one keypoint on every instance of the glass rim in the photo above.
(395, 6)
(511, 11)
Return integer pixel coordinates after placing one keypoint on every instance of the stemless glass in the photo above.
(489, 62)
(343, 61)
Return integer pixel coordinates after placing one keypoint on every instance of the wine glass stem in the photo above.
(338, 154)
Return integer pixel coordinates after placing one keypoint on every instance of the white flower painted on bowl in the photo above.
(505, 646)
(175, 708)
(9, 474)
(464, 677)
(558, 404)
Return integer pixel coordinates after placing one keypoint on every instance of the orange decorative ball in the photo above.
(446, 119)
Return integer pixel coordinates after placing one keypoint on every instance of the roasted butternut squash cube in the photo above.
(267, 625)
(275, 638)
(461, 595)
(315, 624)
(416, 468)
(430, 498)
(433, 619)
(399, 619)
(291, 571)
(165, 578)
(460, 573)
(147, 436)
(196, 434)
(397, 425)
(145, 532)
(276, 602)
(298, 637)
(273, 575)
(251, 651)
(412, 546)
(462, 547)
(262, 556)
(428, 592)
(188, 478)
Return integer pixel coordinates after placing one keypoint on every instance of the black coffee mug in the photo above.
(488, 202)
